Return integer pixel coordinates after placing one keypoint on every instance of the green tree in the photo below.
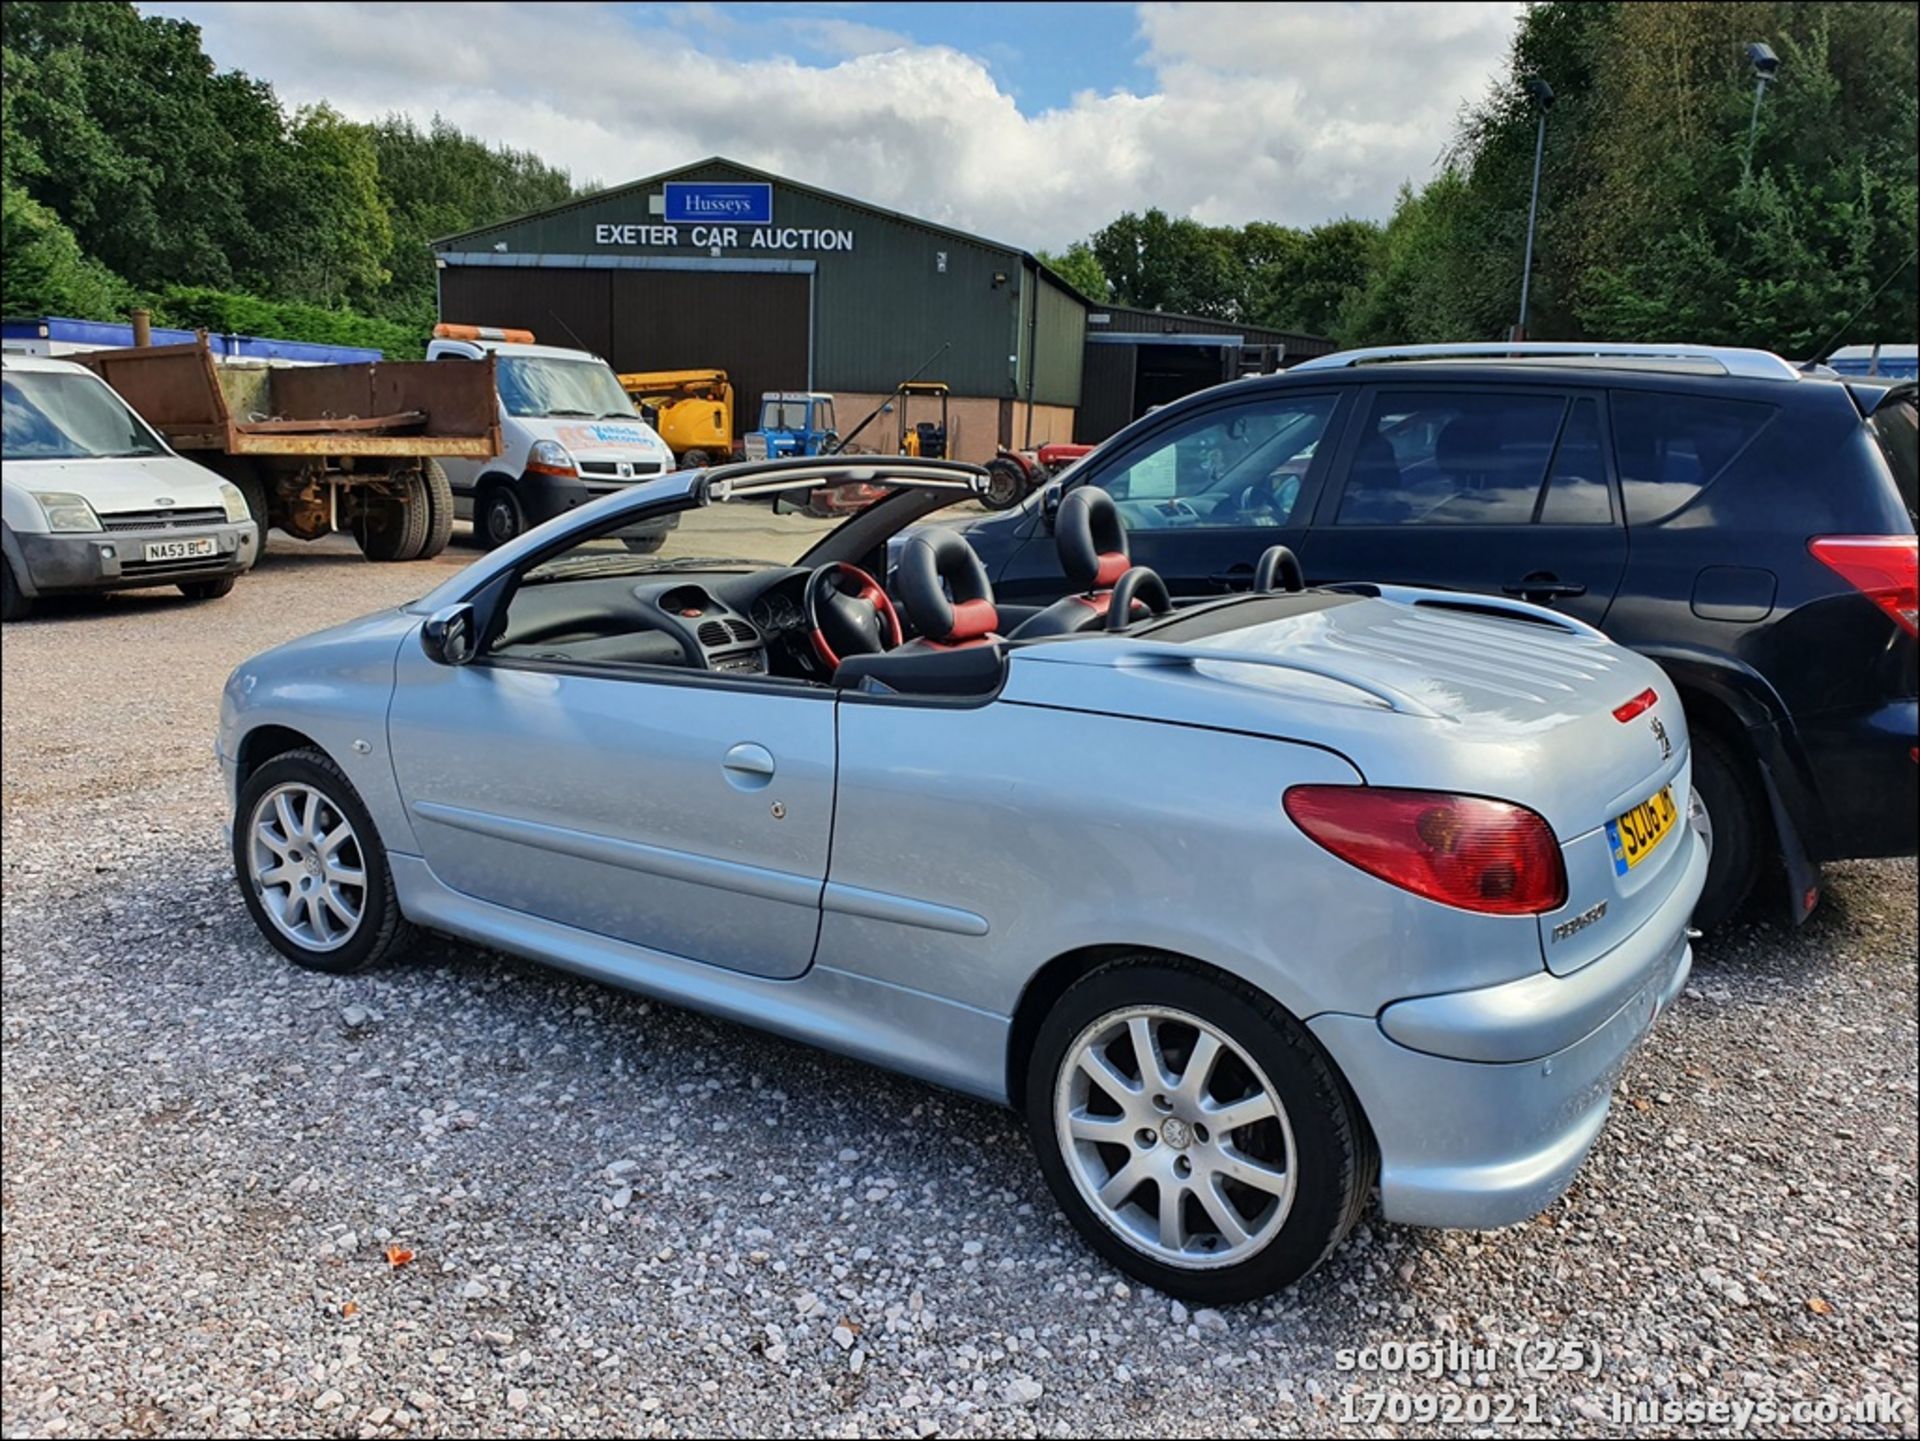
(331, 216)
(1080, 268)
(45, 271)
(1162, 263)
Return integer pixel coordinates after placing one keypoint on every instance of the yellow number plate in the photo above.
(1635, 833)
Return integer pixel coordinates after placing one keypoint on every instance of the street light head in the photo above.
(1541, 93)
(1764, 61)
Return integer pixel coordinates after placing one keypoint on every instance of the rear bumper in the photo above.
(1485, 1102)
(96, 560)
(1868, 782)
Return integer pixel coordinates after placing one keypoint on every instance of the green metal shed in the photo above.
(786, 286)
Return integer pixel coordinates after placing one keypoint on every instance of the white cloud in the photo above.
(1288, 112)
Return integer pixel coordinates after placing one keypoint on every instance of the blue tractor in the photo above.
(795, 422)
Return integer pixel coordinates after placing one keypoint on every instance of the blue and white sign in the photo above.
(744, 203)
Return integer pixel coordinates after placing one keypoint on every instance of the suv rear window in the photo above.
(1894, 426)
(1669, 448)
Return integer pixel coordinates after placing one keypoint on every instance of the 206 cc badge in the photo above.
(1660, 734)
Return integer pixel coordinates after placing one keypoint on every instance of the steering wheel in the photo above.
(848, 614)
(1139, 586)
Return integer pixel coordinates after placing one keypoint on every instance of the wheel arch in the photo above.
(1047, 985)
(264, 742)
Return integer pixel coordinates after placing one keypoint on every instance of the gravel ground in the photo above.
(625, 1218)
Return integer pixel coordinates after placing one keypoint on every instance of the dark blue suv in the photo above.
(1749, 527)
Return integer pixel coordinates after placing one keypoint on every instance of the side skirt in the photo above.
(921, 1035)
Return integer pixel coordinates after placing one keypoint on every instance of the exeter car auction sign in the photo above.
(718, 217)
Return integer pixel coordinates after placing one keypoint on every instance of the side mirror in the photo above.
(1050, 502)
(451, 636)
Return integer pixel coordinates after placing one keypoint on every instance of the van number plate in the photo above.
(180, 549)
(1635, 833)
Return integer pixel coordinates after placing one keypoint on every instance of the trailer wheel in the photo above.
(439, 509)
(251, 484)
(392, 528)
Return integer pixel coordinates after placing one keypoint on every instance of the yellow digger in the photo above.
(691, 409)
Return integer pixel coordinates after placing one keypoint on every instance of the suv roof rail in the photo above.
(1718, 359)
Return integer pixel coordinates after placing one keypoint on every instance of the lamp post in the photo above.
(1765, 63)
(1542, 95)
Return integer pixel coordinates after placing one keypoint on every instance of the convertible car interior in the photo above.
(937, 632)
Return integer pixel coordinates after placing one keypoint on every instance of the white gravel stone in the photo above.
(193, 1130)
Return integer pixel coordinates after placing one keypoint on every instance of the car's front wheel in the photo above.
(1194, 1132)
(311, 867)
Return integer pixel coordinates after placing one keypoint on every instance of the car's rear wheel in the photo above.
(311, 867)
(1734, 812)
(1193, 1131)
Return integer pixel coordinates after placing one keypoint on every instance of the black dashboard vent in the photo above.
(713, 634)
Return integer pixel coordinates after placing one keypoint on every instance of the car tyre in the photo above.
(1735, 810)
(14, 602)
(208, 589)
(379, 931)
(498, 517)
(642, 544)
(1316, 1135)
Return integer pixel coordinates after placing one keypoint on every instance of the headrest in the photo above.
(1470, 444)
(945, 588)
(1091, 539)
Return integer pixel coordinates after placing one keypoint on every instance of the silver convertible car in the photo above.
(1247, 906)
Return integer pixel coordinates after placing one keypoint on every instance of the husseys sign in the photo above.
(715, 216)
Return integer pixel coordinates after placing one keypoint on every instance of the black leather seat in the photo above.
(946, 592)
(1092, 543)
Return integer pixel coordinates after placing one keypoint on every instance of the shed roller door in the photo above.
(750, 325)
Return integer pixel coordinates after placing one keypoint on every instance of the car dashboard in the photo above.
(742, 623)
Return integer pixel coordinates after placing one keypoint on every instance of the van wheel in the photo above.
(312, 871)
(1735, 812)
(498, 517)
(1193, 1131)
(14, 602)
(207, 589)
(439, 509)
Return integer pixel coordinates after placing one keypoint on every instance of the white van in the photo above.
(92, 499)
(568, 433)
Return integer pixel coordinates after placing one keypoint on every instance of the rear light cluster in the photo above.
(1885, 568)
(1481, 855)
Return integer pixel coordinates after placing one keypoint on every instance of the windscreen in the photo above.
(735, 534)
(533, 387)
(60, 415)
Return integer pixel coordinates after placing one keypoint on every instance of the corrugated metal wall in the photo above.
(1060, 338)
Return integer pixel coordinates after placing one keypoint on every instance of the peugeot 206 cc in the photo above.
(1248, 906)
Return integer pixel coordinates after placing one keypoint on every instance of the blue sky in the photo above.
(1042, 55)
(1033, 124)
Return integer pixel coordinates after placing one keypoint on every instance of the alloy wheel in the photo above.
(306, 866)
(1174, 1137)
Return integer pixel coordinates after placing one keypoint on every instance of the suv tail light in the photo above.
(1481, 855)
(1882, 567)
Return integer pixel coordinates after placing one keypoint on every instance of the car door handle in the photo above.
(748, 766)
(1545, 587)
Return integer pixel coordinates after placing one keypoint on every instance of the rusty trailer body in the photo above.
(319, 448)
